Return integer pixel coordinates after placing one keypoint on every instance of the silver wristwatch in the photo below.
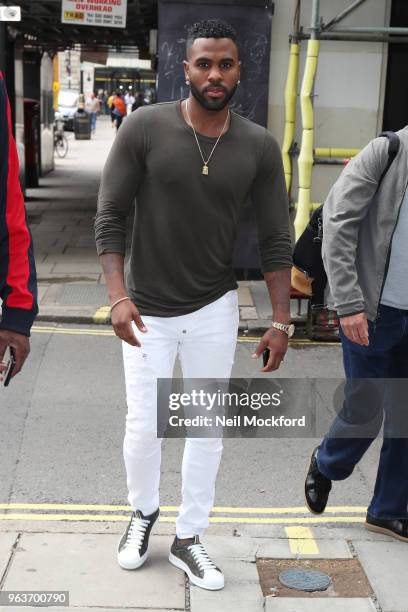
(289, 329)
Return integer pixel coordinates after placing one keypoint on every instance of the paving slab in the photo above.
(244, 296)
(303, 604)
(280, 549)
(242, 591)
(42, 292)
(229, 547)
(386, 566)
(234, 597)
(86, 566)
(6, 542)
(248, 312)
(82, 252)
(79, 267)
(44, 269)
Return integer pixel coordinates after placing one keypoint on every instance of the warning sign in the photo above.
(105, 13)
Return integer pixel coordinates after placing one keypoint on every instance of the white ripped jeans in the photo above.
(205, 341)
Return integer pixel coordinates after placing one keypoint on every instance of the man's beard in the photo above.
(214, 105)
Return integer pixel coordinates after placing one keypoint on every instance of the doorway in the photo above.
(396, 90)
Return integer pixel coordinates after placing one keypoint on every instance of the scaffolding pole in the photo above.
(307, 155)
(369, 30)
(333, 35)
(305, 161)
(290, 112)
(343, 14)
(291, 98)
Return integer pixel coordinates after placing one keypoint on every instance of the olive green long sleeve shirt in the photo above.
(186, 222)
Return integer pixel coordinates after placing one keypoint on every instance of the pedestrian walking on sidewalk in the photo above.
(189, 167)
(109, 104)
(365, 252)
(129, 101)
(93, 107)
(18, 281)
(119, 109)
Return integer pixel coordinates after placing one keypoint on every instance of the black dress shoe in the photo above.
(317, 487)
(396, 528)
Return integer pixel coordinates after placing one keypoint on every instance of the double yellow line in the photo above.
(221, 514)
(300, 537)
(89, 331)
(71, 331)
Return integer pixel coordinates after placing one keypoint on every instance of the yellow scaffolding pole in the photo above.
(333, 152)
(55, 83)
(305, 161)
(290, 111)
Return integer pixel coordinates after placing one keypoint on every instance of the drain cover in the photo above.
(84, 295)
(304, 580)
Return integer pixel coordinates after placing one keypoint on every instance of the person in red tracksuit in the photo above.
(18, 281)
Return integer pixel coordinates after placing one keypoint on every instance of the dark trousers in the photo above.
(385, 357)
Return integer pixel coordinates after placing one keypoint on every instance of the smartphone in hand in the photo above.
(9, 360)
(265, 356)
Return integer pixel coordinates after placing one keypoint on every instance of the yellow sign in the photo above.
(73, 16)
(103, 13)
(56, 86)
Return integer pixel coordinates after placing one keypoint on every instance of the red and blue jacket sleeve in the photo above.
(18, 281)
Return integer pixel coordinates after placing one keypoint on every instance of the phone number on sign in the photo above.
(36, 598)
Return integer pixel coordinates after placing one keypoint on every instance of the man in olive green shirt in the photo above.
(190, 166)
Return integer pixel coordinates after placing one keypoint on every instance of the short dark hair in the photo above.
(210, 28)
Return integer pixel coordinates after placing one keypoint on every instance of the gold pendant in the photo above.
(205, 169)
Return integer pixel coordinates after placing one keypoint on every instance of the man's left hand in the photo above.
(277, 343)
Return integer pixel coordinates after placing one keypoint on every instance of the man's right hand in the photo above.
(20, 344)
(355, 328)
(122, 316)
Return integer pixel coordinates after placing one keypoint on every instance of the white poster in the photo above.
(105, 13)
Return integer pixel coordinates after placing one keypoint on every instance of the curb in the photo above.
(81, 316)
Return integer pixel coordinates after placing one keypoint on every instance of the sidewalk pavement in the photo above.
(80, 557)
(61, 215)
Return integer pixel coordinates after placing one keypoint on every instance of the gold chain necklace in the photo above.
(205, 167)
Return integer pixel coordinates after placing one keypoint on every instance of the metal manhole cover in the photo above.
(305, 580)
(89, 295)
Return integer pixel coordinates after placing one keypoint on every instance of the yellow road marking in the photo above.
(172, 519)
(73, 331)
(101, 315)
(301, 541)
(77, 331)
(292, 510)
(219, 509)
(303, 341)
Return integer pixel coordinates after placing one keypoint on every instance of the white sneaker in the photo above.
(133, 546)
(193, 559)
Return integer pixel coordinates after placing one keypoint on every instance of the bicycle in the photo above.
(60, 140)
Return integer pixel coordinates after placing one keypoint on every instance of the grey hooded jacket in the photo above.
(358, 225)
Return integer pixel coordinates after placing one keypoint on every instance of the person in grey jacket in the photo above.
(365, 253)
